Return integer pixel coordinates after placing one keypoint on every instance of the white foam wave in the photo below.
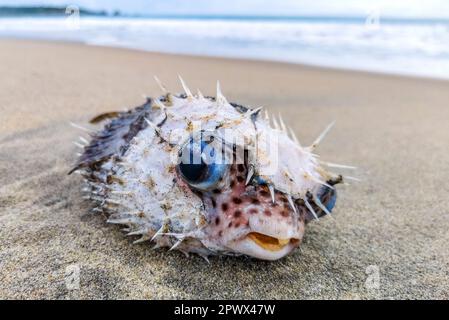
(404, 48)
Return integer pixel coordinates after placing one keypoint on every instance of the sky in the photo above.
(388, 8)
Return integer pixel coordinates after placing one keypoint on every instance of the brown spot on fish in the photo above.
(237, 200)
(255, 201)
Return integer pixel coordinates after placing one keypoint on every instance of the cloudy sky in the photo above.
(394, 8)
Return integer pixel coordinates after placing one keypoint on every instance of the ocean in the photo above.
(405, 47)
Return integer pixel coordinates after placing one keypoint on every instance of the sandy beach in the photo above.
(395, 221)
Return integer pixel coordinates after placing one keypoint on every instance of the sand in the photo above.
(394, 222)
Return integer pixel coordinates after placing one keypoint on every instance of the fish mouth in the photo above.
(264, 247)
(269, 243)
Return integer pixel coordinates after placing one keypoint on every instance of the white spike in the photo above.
(95, 198)
(293, 136)
(159, 83)
(292, 204)
(254, 111)
(83, 140)
(250, 175)
(220, 99)
(142, 239)
(310, 208)
(186, 253)
(79, 145)
(321, 205)
(321, 136)
(137, 232)
(185, 88)
(267, 116)
(158, 233)
(352, 178)
(176, 244)
(204, 257)
(275, 123)
(119, 221)
(283, 126)
(317, 180)
(108, 200)
(271, 188)
(336, 165)
(81, 128)
(156, 246)
(200, 95)
(126, 193)
(152, 125)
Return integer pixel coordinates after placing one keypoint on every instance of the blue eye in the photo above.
(200, 165)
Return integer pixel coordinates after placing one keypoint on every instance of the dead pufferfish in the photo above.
(202, 175)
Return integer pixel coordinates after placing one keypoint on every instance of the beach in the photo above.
(391, 226)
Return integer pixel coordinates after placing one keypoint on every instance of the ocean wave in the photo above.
(404, 48)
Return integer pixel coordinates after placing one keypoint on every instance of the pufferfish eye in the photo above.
(201, 164)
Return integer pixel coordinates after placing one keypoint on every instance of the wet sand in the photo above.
(395, 221)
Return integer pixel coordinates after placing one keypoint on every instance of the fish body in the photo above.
(202, 175)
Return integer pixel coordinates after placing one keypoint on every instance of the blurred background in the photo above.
(401, 37)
